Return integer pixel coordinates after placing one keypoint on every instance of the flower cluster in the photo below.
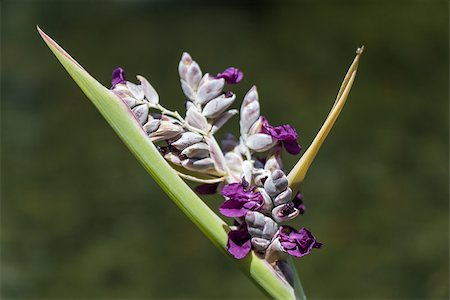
(248, 171)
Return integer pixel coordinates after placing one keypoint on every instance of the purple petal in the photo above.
(232, 190)
(237, 191)
(239, 244)
(233, 209)
(239, 207)
(297, 243)
(298, 203)
(292, 147)
(206, 189)
(231, 75)
(283, 133)
(317, 245)
(252, 205)
(239, 201)
(289, 245)
(118, 76)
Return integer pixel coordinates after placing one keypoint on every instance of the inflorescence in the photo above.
(247, 171)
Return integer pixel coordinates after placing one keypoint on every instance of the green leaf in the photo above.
(298, 172)
(119, 117)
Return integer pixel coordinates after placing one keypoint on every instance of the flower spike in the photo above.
(248, 171)
(298, 173)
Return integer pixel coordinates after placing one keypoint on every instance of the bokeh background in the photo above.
(81, 219)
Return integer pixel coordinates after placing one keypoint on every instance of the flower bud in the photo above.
(256, 127)
(285, 212)
(152, 125)
(275, 252)
(175, 159)
(216, 154)
(168, 119)
(260, 176)
(185, 62)
(150, 93)
(247, 168)
(283, 197)
(187, 90)
(189, 104)
(166, 130)
(260, 142)
(254, 219)
(274, 161)
(218, 105)
(260, 226)
(187, 139)
(125, 95)
(193, 75)
(268, 204)
(259, 244)
(208, 89)
(276, 183)
(196, 119)
(198, 165)
(249, 110)
(222, 119)
(135, 90)
(190, 75)
(189, 71)
(234, 162)
(199, 150)
(129, 101)
(141, 113)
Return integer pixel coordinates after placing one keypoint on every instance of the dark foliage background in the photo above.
(81, 219)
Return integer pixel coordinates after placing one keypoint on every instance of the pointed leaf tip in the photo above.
(298, 173)
(360, 50)
(55, 47)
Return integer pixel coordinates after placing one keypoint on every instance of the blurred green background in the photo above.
(81, 219)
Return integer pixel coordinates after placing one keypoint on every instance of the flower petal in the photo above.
(283, 133)
(239, 244)
(149, 91)
(233, 209)
(249, 110)
(208, 88)
(298, 203)
(231, 75)
(297, 243)
(118, 76)
(292, 147)
(232, 190)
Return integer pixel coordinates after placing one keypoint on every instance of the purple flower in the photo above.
(206, 189)
(231, 75)
(239, 244)
(239, 201)
(297, 243)
(118, 76)
(284, 133)
(298, 203)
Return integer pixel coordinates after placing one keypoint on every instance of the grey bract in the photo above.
(247, 169)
